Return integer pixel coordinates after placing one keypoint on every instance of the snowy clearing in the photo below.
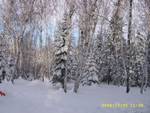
(39, 97)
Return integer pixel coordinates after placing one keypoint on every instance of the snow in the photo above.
(41, 97)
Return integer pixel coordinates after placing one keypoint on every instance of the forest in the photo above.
(84, 42)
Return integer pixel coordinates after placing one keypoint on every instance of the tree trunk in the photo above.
(129, 43)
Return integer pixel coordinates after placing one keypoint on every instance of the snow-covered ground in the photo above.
(39, 97)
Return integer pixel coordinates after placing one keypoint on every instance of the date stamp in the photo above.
(109, 105)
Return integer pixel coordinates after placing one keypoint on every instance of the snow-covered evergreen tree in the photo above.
(93, 66)
(108, 61)
(91, 71)
(137, 60)
(7, 62)
(2, 65)
(3, 57)
(72, 63)
(11, 69)
(99, 54)
(60, 55)
(113, 68)
(62, 45)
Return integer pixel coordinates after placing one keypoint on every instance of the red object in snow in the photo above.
(2, 93)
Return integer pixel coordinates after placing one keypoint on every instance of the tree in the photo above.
(3, 59)
(88, 17)
(119, 64)
(11, 75)
(129, 44)
(99, 55)
(62, 45)
(91, 72)
(147, 15)
(114, 60)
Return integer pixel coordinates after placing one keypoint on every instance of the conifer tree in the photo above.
(62, 45)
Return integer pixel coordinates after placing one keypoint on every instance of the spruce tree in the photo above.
(91, 71)
(62, 45)
(3, 57)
